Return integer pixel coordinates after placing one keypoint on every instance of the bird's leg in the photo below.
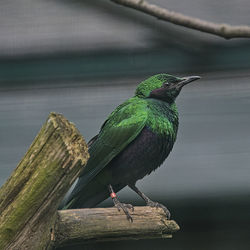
(120, 205)
(148, 201)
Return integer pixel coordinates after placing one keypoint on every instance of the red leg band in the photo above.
(113, 195)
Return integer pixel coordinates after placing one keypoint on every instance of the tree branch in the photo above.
(223, 30)
(30, 197)
(81, 226)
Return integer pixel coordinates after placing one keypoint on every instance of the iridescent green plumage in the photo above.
(134, 140)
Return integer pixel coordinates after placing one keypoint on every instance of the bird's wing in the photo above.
(122, 127)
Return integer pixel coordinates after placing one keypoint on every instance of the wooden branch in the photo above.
(223, 30)
(81, 226)
(30, 197)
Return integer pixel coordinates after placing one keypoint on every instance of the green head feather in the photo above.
(158, 82)
(163, 86)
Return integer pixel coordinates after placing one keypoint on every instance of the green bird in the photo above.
(135, 140)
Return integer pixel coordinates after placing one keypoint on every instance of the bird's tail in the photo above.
(85, 201)
(90, 196)
(66, 205)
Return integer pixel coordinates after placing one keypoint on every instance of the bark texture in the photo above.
(81, 226)
(30, 197)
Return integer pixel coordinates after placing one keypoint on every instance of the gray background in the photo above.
(83, 58)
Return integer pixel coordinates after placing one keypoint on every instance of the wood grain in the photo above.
(30, 197)
(81, 226)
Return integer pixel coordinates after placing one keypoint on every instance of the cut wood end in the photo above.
(71, 137)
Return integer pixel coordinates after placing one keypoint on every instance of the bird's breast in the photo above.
(141, 156)
(163, 119)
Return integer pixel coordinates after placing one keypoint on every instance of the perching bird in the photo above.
(135, 140)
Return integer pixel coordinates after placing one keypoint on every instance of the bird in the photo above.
(135, 140)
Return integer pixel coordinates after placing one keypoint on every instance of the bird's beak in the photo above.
(188, 79)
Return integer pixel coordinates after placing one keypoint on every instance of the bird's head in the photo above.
(163, 86)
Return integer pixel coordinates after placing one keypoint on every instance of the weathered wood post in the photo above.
(30, 197)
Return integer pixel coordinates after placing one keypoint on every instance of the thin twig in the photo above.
(223, 30)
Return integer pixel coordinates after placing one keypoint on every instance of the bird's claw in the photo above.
(156, 204)
(125, 208)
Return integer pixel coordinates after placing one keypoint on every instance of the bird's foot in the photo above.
(120, 205)
(156, 204)
(125, 207)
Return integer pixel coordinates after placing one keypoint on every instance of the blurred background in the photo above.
(83, 58)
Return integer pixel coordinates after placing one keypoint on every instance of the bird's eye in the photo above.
(165, 84)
